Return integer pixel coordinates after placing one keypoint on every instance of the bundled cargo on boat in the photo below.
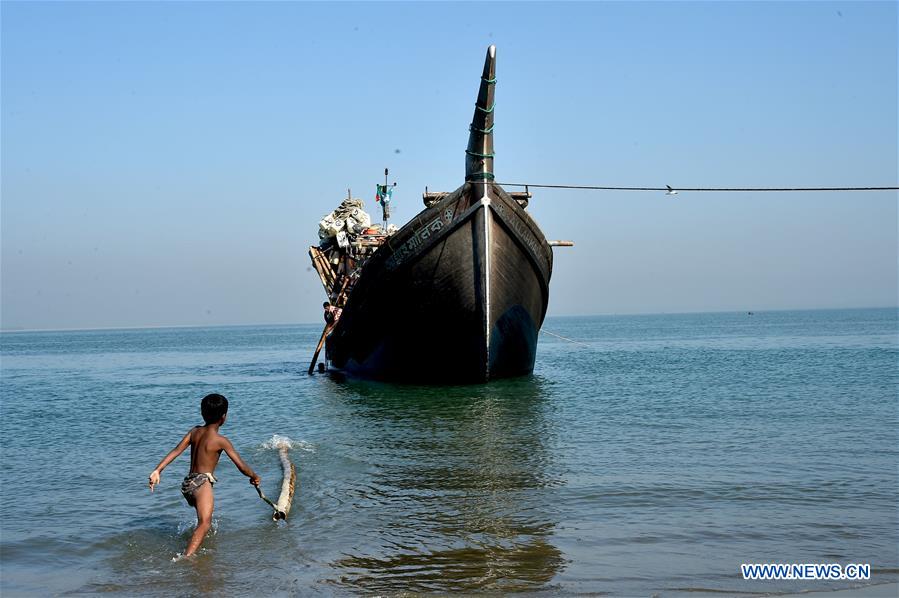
(347, 239)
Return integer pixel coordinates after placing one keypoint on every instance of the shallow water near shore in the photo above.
(653, 458)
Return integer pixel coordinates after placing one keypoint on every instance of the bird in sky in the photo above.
(670, 191)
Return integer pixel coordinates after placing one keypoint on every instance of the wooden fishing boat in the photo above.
(458, 294)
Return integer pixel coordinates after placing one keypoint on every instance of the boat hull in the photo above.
(458, 295)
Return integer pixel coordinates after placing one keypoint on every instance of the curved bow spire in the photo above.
(479, 155)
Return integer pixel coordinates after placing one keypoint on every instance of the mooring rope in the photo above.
(717, 189)
(565, 338)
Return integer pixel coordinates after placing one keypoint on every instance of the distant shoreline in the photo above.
(160, 327)
(281, 324)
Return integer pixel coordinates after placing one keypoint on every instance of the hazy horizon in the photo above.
(549, 316)
(166, 164)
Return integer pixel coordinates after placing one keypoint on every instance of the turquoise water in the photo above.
(653, 458)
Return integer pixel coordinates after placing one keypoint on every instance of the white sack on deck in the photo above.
(348, 219)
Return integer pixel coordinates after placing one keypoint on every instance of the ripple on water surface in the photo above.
(653, 457)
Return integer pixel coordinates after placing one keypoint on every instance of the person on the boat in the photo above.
(332, 313)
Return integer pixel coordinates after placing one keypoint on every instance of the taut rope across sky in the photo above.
(717, 189)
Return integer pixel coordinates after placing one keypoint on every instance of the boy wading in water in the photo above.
(206, 445)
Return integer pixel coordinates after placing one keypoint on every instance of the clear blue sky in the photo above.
(167, 163)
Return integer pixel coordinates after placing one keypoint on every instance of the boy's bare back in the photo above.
(205, 449)
(206, 446)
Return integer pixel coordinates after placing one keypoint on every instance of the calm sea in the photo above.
(654, 457)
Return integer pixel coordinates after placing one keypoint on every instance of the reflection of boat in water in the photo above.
(459, 293)
(456, 484)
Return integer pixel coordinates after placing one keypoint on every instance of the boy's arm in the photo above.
(173, 454)
(243, 467)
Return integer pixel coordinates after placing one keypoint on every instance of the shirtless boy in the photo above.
(206, 445)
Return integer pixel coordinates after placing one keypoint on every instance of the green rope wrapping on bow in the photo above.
(487, 176)
(489, 81)
(485, 131)
(486, 110)
(477, 155)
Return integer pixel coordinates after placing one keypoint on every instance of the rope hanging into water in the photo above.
(716, 189)
(565, 338)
